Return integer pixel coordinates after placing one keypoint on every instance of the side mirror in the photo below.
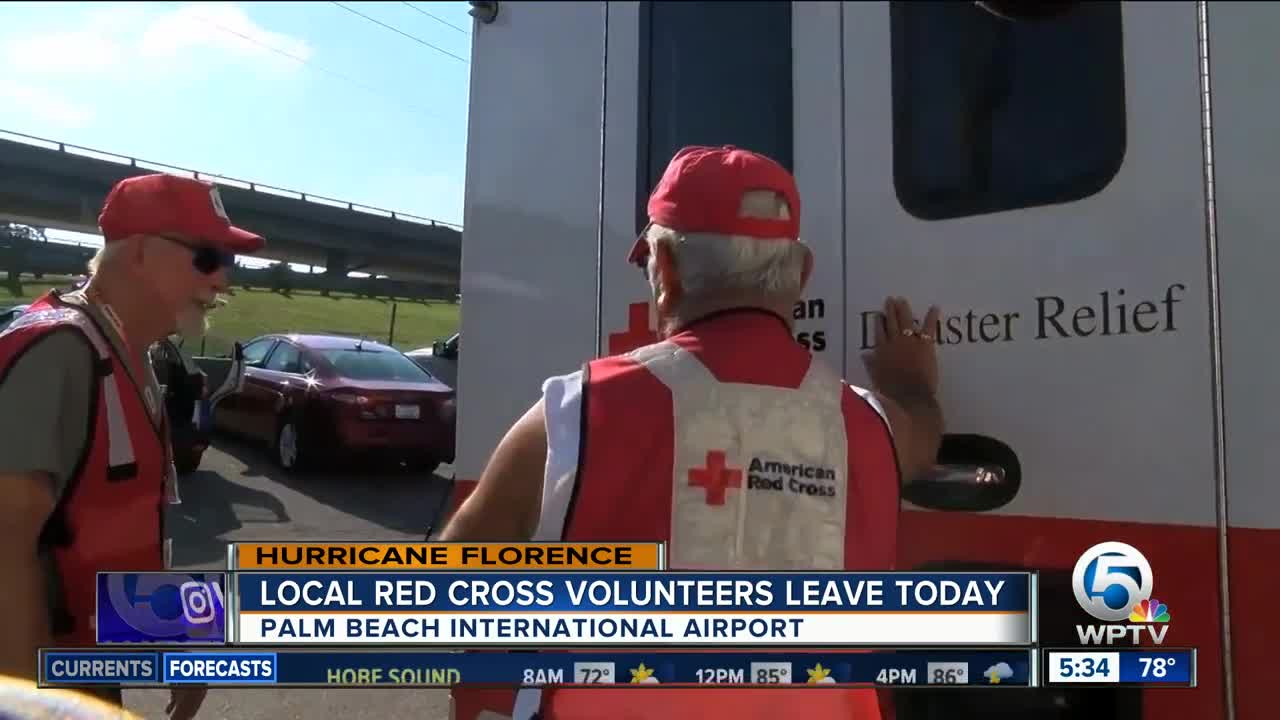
(974, 473)
(234, 381)
(439, 349)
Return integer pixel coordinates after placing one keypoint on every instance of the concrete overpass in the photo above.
(50, 184)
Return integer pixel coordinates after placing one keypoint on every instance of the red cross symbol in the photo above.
(637, 334)
(715, 477)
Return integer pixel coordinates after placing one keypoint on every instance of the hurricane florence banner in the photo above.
(161, 608)
(681, 608)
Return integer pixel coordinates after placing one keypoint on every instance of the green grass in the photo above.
(253, 312)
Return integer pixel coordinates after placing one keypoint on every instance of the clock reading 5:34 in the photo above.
(1083, 667)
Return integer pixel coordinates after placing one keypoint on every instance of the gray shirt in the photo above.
(45, 396)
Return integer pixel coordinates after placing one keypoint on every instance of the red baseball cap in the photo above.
(162, 203)
(701, 192)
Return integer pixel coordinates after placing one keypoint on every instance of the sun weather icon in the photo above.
(819, 675)
(1149, 611)
(642, 675)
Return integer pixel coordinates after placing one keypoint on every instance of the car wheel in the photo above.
(288, 446)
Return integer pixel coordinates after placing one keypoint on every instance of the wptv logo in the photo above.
(1112, 582)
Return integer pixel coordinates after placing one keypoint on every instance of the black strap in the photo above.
(61, 621)
(55, 532)
(120, 473)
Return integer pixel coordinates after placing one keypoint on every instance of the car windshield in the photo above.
(374, 365)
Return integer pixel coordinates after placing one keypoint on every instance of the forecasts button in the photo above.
(219, 668)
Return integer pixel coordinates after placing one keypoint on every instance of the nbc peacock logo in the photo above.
(1150, 611)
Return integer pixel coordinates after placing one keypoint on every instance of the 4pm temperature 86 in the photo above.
(947, 673)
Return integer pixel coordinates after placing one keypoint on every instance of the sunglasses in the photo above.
(206, 259)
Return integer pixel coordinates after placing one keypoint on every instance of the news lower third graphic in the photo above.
(283, 667)
(1113, 582)
(161, 608)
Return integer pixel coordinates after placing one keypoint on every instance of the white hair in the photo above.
(709, 263)
(105, 257)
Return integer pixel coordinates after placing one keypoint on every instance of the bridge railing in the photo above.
(54, 259)
(223, 179)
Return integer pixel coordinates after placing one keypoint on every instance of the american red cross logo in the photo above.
(637, 334)
(715, 477)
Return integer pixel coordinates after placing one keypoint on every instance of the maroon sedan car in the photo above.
(323, 397)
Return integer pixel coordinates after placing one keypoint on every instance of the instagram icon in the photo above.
(198, 601)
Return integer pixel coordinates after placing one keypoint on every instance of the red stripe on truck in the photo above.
(1184, 560)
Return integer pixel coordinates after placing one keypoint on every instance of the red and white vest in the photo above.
(742, 451)
(110, 516)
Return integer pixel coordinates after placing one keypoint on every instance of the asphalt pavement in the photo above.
(238, 495)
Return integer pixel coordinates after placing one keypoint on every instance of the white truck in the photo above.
(1085, 194)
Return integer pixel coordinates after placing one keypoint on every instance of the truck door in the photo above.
(1245, 113)
(1044, 182)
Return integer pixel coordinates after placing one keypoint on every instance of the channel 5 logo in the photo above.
(161, 608)
(1112, 581)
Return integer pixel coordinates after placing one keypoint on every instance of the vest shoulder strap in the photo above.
(673, 365)
(122, 464)
(53, 316)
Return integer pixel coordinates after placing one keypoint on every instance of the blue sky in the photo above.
(316, 100)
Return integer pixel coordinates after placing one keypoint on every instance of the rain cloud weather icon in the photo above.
(998, 672)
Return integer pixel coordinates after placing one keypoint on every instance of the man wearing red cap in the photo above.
(84, 451)
(726, 439)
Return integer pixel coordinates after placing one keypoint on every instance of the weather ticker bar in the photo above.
(426, 668)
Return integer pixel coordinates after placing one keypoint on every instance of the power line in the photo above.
(401, 32)
(313, 66)
(433, 17)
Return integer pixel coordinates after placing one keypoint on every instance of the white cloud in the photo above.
(223, 28)
(134, 38)
(45, 106)
(64, 51)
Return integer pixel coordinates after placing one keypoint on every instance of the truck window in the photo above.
(718, 73)
(992, 115)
